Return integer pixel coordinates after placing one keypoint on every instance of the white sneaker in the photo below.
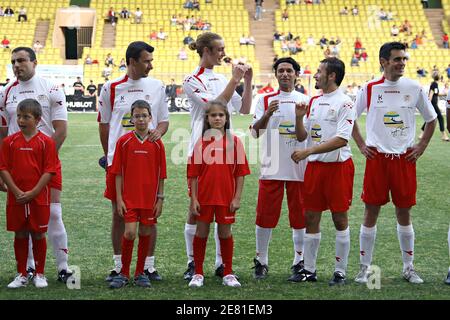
(19, 282)
(363, 275)
(196, 281)
(231, 281)
(40, 281)
(411, 275)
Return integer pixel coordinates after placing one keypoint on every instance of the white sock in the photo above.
(58, 236)
(30, 259)
(367, 238)
(218, 252)
(263, 236)
(448, 239)
(189, 233)
(342, 250)
(312, 244)
(406, 240)
(298, 239)
(150, 264)
(117, 262)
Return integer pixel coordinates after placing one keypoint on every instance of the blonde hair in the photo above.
(203, 41)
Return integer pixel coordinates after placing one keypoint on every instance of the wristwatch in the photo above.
(160, 196)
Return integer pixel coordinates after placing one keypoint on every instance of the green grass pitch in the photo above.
(87, 216)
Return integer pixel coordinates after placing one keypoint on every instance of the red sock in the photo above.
(144, 243)
(40, 253)
(226, 248)
(127, 254)
(199, 253)
(21, 253)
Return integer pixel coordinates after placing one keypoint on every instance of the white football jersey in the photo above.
(330, 115)
(202, 86)
(391, 107)
(279, 140)
(114, 106)
(50, 97)
(448, 100)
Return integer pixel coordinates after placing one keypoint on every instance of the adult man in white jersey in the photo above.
(114, 121)
(391, 153)
(329, 175)
(447, 280)
(274, 122)
(53, 124)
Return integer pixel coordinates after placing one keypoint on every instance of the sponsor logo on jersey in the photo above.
(315, 133)
(26, 91)
(392, 120)
(380, 98)
(287, 130)
(135, 90)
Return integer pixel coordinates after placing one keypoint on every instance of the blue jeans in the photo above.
(258, 13)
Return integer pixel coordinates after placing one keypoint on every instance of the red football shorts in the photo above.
(27, 217)
(329, 185)
(56, 181)
(144, 216)
(388, 172)
(270, 198)
(222, 214)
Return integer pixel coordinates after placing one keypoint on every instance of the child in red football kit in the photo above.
(28, 160)
(218, 156)
(140, 169)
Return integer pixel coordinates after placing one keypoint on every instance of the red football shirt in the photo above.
(27, 161)
(141, 164)
(217, 163)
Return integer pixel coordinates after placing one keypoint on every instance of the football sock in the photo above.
(127, 253)
(40, 253)
(226, 247)
(21, 253)
(199, 253)
(189, 233)
(312, 243)
(57, 235)
(406, 239)
(30, 258)
(367, 238)
(150, 264)
(263, 236)
(342, 250)
(298, 239)
(218, 261)
(144, 243)
(117, 262)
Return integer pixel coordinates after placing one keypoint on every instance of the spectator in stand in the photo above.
(421, 72)
(406, 27)
(138, 16)
(311, 41)
(243, 40)
(306, 70)
(414, 44)
(323, 42)
(196, 5)
(182, 54)
(2, 12)
(358, 44)
(109, 61)
(88, 60)
(276, 36)
(122, 65)
(284, 46)
(107, 72)
(91, 88)
(266, 89)
(171, 93)
(78, 88)
(327, 52)
(394, 31)
(125, 14)
(425, 4)
(37, 46)
(382, 14)
(5, 43)
(112, 16)
(389, 15)
(258, 9)
(9, 12)
(299, 87)
(22, 15)
(355, 61)
(364, 55)
(445, 41)
(188, 39)
(344, 11)
(419, 40)
(448, 71)
(355, 10)
(161, 34)
(251, 41)
(285, 15)
(153, 35)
